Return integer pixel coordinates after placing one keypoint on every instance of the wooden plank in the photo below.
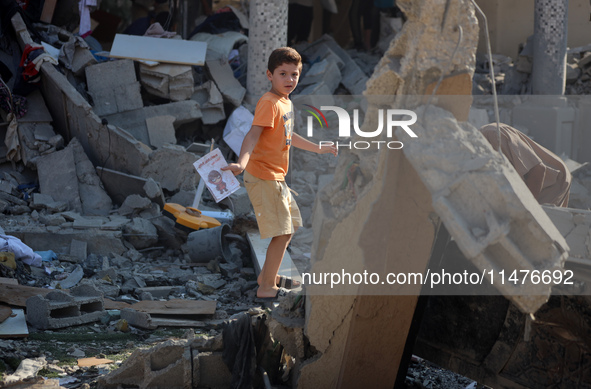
(11, 281)
(176, 307)
(87, 362)
(17, 295)
(48, 9)
(259, 247)
(159, 49)
(14, 327)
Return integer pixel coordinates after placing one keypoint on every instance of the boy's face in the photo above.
(284, 78)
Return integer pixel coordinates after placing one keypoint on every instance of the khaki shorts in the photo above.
(276, 211)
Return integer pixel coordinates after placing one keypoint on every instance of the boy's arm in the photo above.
(304, 144)
(250, 141)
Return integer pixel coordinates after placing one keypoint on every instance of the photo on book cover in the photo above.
(220, 183)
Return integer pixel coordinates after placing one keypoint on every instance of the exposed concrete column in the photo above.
(268, 31)
(550, 33)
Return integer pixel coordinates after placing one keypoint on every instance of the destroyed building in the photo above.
(106, 256)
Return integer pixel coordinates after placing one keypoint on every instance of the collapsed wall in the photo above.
(386, 221)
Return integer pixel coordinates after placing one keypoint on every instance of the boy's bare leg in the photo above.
(268, 278)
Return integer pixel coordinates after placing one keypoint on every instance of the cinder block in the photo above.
(167, 365)
(58, 309)
(211, 371)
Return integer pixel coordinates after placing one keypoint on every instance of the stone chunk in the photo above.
(173, 167)
(174, 82)
(223, 76)
(120, 185)
(133, 204)
(210, 101)
(161, 130)
(79, 249)
(141, 233)
(58, 178)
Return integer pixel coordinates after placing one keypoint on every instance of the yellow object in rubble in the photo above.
(7, 259)
(189, 218)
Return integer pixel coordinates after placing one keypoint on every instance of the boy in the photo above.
(265, 157)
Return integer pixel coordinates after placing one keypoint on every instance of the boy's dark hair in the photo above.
(283, 55)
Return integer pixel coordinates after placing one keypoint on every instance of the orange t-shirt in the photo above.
(270, 158)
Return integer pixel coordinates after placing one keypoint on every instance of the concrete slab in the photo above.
(161, 130)
(58, 178)
(223, 76)
(121, 185)
(259, 247)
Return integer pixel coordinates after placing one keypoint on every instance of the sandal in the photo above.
(288, 283)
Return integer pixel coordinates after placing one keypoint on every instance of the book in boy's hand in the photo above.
(221, 183)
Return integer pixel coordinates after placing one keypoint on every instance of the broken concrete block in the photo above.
(223, 76)
(210, 101)
(58, 178)
(133, 204)
(174, 82)
(160, 292)
(161, 130)
(172, 167)
(79, 249)
(166, 232)
(241, 202)
(134, 121)
(7, 187)
(152, 189)
(354, 79)
(167, 365)
(89, 222)
(210, 371)
(140, 233)
(488, 234)
(52, 220)
(32, 148)
(113, 87)
(323, 72)
(94, 199)
(121, 185)
(59, 240)
(58, 309)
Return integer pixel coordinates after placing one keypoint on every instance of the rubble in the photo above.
(174, 82)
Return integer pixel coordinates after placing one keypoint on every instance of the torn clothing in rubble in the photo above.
(544, 173)
(239, 351)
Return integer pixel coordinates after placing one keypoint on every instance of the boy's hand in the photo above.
(333, 149)
(234, 168)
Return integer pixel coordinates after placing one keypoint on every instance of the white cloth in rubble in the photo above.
(84, 8)
(21, 251)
